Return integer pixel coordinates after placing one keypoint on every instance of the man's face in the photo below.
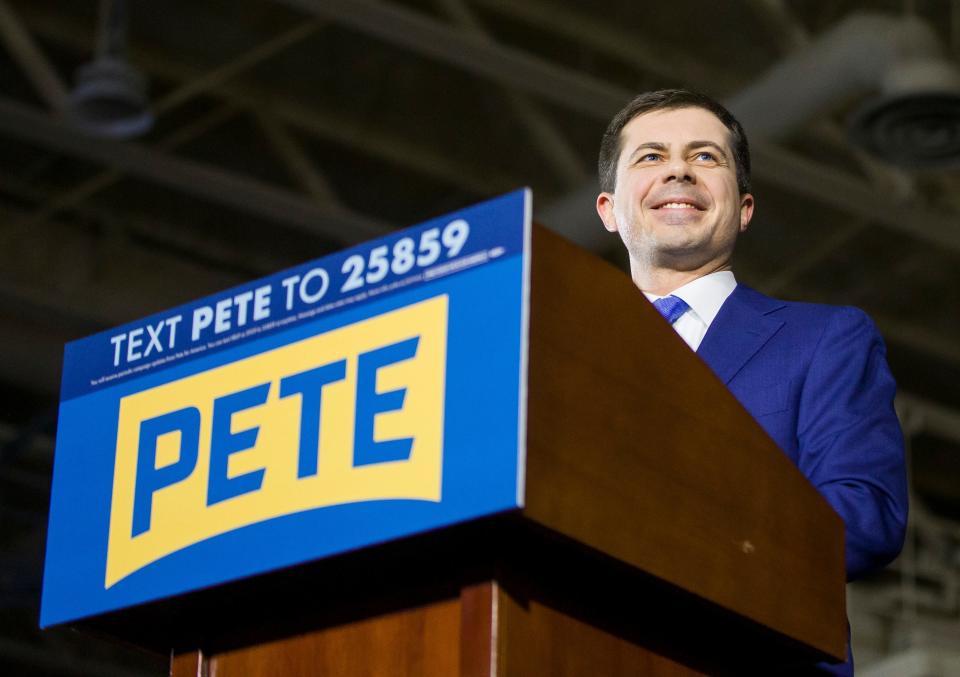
(676, 204)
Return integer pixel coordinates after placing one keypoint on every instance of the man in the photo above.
(675, 175)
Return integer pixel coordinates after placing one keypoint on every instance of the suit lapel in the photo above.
(739, 330)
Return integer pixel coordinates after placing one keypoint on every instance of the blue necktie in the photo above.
(671, 307)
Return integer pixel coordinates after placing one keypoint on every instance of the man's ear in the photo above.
(746, 211)
(605, 210)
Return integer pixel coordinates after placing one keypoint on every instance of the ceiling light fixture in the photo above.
(915, 121)
(110, 95)
(911, 116)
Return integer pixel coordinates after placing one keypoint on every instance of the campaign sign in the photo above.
(365, 396)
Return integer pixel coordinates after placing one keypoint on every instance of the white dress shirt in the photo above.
(704, 295)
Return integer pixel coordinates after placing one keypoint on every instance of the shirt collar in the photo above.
(704, 295)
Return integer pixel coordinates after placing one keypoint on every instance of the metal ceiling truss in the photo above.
(475, 52)
(193, 178)
(483, 57)
(324, 125)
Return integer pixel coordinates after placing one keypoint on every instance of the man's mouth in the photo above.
(678, 203)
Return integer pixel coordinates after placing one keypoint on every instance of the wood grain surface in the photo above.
(536, 639)
(413, 642)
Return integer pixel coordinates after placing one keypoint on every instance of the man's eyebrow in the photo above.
(708, 144)
(648, 145)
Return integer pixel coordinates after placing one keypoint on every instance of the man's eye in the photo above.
(706, 156)
(650, 157)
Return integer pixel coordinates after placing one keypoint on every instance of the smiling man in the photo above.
(675, 181)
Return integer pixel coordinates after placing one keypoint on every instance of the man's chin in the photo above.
(676, 249)
(686, 256)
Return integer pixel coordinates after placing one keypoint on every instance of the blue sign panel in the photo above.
(362, 397)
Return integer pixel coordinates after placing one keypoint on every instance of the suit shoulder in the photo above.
(817, 324)
(821, 314)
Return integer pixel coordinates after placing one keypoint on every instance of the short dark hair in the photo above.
(668, 99)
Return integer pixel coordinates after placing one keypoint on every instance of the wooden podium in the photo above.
(663, 534)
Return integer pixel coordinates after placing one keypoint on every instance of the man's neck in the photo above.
(663, 281)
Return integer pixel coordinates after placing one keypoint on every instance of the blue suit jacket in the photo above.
(816, 379)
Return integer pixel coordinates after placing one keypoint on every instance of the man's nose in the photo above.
(678, 169)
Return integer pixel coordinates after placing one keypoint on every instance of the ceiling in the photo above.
(287, 129)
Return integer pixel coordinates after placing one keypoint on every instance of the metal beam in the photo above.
(670, 64)
(557, 151)
(481, 56)
(194, 178)
(349, 132)
(664, 61)
(38, 69)
(300, 166)
(72, 197)
(52, 291)
(233, 254)
(837, 188)
(210, 80)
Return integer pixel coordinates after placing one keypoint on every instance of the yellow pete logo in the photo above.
(355, 414)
